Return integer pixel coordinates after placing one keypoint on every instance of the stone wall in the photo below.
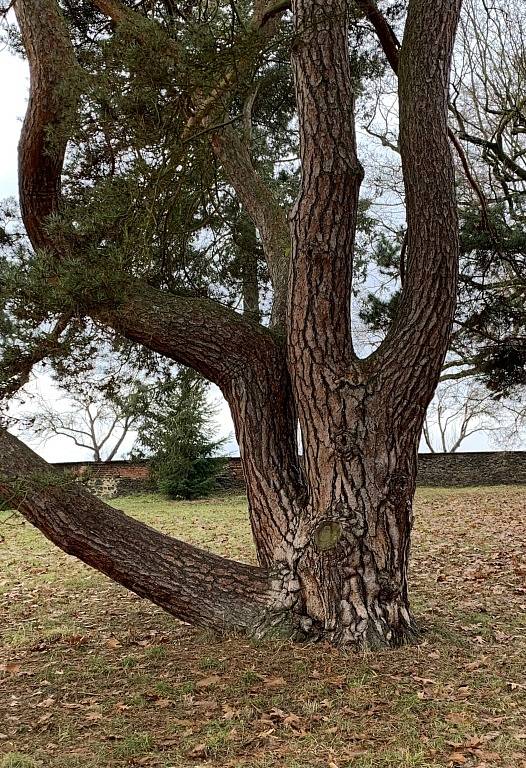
(446, 470)
(463, 469)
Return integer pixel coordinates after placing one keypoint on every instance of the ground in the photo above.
(92, 676)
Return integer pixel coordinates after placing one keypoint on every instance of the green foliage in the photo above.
(492, 296)
(177, 435)
(490, 327)
(142, 198)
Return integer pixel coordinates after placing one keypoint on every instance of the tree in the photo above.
(458, 411)
(332, 532)
(92, 421)
(177, 437)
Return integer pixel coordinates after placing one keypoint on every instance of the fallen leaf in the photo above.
(46, 702)
(457, 758)
(229, 712)
(9, 668)
(264, 734)
(92, 716)
(292, 720)
(198, 751)
(163, 703)
(458, 717)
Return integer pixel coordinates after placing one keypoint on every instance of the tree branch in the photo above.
(428, 297)
(191, 584)
(496, 149)
(385, 33)
(116, 11)
(19, 369)
(52, 96)
(216, 341)
(260, 203)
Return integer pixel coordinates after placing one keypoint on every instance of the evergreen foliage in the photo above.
(177, 436)
(490, 327)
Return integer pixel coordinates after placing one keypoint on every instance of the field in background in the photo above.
(91, 676)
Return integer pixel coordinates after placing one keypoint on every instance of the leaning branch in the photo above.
(17, 372)
(193, 585)
(262, 207)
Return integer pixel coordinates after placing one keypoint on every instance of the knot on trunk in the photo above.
(390, 587)
(344, 443)
(398, 483)
(327, 535)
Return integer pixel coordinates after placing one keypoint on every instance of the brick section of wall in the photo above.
(112, 478)
(446, 470)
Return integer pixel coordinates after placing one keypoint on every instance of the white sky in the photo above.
(14, 79)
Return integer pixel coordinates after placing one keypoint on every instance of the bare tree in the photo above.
(98, 424)
(459, 410)
(488, 102)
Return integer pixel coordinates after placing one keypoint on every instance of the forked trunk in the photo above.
(341, 572)
(331, 528)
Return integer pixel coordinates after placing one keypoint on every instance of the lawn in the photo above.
(92, 676)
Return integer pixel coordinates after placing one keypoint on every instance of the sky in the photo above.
(15, 81)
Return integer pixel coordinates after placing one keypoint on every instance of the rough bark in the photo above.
(333, 534)
(193, 585)
(352, 542)
(52, 65)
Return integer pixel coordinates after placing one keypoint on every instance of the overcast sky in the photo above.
(14, 79)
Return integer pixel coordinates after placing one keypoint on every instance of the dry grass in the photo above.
(92, 676)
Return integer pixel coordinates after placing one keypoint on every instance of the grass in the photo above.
(92, 676)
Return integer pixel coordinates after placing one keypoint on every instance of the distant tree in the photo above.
(177, 435)
(458, 411)
(90, 420)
